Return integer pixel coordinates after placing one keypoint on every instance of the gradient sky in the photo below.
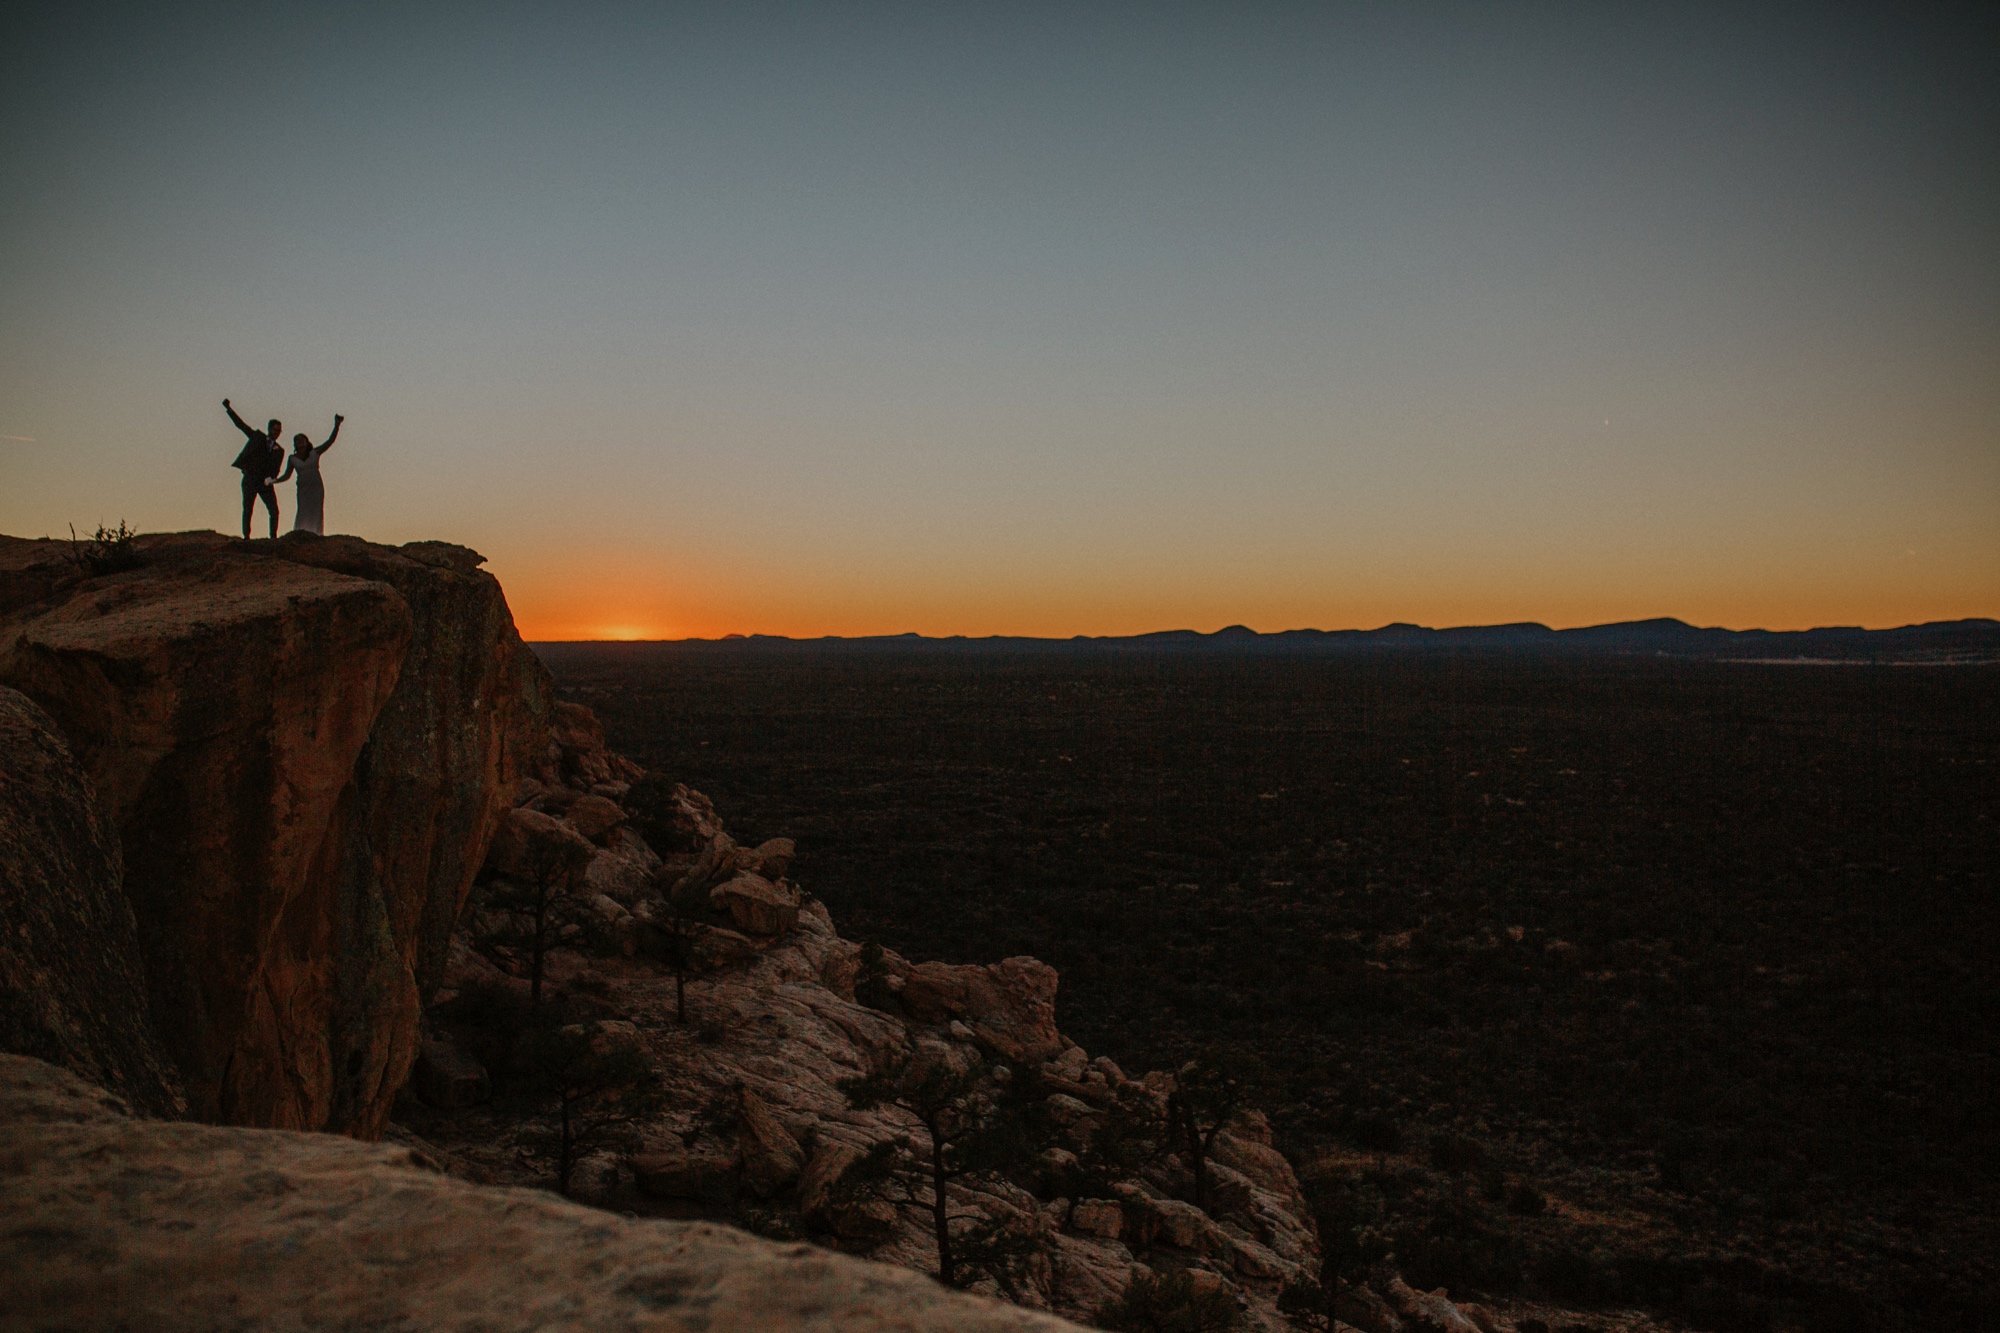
(1079, 318)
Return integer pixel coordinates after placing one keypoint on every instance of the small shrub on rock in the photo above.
(106, 551)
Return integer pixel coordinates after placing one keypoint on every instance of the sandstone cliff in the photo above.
(72, 988)
(303, 746)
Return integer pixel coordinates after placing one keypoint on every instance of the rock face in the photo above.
(781, 1011)
(72, 986)
(303, 745)
(165, 1227)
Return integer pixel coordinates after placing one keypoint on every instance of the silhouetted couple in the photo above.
(264, 465)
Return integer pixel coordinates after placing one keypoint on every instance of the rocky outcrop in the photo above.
(758, 1125)
(117, 1223)
(303, 745)
(72, 986)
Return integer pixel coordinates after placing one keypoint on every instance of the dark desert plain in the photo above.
(1626, 980)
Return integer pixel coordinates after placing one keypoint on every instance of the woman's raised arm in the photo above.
(337, 419)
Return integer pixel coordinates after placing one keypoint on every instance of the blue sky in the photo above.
(1034, 319)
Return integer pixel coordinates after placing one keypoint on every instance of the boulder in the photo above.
(72, 981)
(556, 799)
(821, 1205)
(448, 1078)
(756, 905)
(1264, 1165)
(830, 1161)
(610, 927)
(579, 740)
(526, 841)
(1186, 1227)
(1067, 1110)
(574, 726)
(627, 843)
(617, 875)
(772, 858)
(594, 816)
(680, 1173)
(1431, 1310)
(671, 816)
(1487, 1319)
(1068, 1066)
(772, 1158)
(1009, 1005)
(1099, 1217)
(686, 881)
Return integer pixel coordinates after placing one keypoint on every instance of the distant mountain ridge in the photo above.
(1971, 640)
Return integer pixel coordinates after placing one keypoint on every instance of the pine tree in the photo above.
(1208, 1092)
(973, 1124)
(596, 1089)
(554, 863)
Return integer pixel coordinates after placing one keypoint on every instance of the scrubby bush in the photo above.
(106, 551)
(1375, 1131)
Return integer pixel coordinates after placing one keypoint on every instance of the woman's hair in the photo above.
(300, 442)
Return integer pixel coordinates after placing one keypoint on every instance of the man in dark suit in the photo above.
(260, 460)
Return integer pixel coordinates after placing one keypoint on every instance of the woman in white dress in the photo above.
(309, 509)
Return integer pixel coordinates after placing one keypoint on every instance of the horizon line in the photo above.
(1525, 628)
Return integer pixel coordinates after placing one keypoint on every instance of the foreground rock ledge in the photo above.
(111, 1222)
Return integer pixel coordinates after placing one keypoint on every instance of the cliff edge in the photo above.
(302, 746)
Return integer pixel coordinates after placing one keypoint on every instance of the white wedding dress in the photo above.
(309, 509)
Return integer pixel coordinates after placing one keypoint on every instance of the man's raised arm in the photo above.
(238, 420)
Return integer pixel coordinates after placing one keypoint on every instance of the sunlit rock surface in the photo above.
(108, 1222)
(303, 745)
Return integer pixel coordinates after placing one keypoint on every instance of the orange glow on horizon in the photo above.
(614, 595)
(547, 619)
